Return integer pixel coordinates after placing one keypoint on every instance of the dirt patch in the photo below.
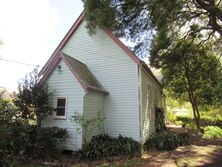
(187, 156)
(201, 153)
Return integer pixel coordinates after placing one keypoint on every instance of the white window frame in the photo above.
(55, 107)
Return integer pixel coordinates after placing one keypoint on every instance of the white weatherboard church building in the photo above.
(98, 73)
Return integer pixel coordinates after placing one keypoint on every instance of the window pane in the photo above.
(60, 111)
(61, 102)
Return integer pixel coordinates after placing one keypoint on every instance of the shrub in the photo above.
(159, 120)
(170, 116)
(103, 146)
(13, 140)
(17, 140)
(191, 125)
(44, 142)
(88, 126)
(18, 135)
(212, 132)
(179, 123)
(205, 120)
(184, 120)
(164, 141)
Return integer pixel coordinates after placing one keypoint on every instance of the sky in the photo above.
(30, 30)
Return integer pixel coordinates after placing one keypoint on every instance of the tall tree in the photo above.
(139, 19)
(32, 99)
(176, 31)
(194, 74)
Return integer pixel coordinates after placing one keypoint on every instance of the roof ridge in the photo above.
(54, 57)
(62, 43)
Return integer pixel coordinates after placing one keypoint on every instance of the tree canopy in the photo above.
(193, 73)
(183, 37)
(138, 20)
(32, 99)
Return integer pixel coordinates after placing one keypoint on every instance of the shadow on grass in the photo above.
(202, 156)
(214, 159)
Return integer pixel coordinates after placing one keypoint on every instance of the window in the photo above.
(60, 105)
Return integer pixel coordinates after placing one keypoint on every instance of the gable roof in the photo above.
(80, 71)
(83, 74)
(55, 55)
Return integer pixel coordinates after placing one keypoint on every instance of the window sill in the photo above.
(58, 118)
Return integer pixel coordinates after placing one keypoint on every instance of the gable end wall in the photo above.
(64, 84)
(116, 72)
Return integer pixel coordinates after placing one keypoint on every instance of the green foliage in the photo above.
(178, 122)
(184, 119)
(170, 116)
(44, 142)
(103, 146)
(173, 106)
(212, 116)
(88, 126)
(192, 73)
(17, 140)
(212, 132)
(192, 67)
(8, 112)
(159, 120)
(17, 136)
(206, 120)
(136, 20)
(32, 99)
(103, 14)
(164, 141)
(8, 116)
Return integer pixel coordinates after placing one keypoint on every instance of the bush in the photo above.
(13, 140)
(179, 123)
(159, 120)
(103, 146)
(44, 142)
(184, 120)
(164, 141)
(211, 132)
(17, 140)
(170, 116)
(205, 120)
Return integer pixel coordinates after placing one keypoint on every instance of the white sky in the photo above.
(30, 31)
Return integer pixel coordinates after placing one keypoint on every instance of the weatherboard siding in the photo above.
(64, 84)
(94, 106)
(150, 98)
(116, 72)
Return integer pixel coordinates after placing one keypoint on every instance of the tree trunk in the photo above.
(192, 98)
(38, 121)
(196, 114)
